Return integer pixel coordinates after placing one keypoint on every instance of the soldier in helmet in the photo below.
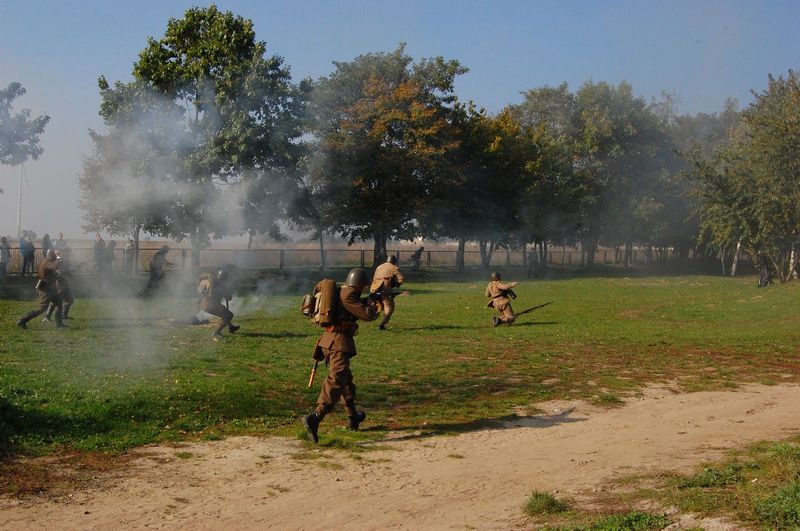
(336, 346)
(47, 289)
(214, 290)
(386, 277)
(501, 293)
(62, 285)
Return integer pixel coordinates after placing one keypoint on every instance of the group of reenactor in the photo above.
(335, 346)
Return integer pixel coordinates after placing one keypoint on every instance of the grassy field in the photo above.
(129, 372)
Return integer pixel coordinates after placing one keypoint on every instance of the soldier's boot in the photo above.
(23, 322)
(356, 419)
(48, 314)
(233, 328)
(311, 423)
(496, 321)
(216, 336)
(65, 314)
(59, 322)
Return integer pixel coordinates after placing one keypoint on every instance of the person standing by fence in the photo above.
(28, 251)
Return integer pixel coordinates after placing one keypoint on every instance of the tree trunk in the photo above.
(736, 258)
(462, 243)
(792, 273)
(135, 233)
(628, 253)
(378, 249)
(722, 260)
(321, 250)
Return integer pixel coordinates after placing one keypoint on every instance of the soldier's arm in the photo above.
(358, 307)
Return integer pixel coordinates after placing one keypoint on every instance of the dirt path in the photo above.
(475, 480)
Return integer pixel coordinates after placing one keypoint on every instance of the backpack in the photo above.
(204, 286)
(326, 305)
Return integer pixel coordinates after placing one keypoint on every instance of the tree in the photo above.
(19, 134)
(240, 123)
(381, 132)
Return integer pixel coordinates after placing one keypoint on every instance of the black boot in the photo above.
(357, 419)
(23, 323)
(233, 328)
(311, 423)
(66, 311)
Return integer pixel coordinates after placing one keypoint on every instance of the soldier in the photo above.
(47, 289)
(387, 276)
(157, 266)
(416, 257)
(500, 294)
(213, 290)
(62, 285)
(336, 346)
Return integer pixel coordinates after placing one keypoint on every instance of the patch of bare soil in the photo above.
(474, 480)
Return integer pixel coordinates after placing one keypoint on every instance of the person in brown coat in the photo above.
(499, 293)
(47, 289)
(386, 277)
(336, 346)
(213, 289)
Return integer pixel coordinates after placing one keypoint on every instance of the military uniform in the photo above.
(214, 292)
(63, 287)
(157, 266)
(337, 346)
(47, 290)
(497, 291)
(387, 276)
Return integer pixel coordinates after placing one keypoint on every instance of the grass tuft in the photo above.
(781, 510)
(541, 503)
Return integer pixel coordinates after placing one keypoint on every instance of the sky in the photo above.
(702, 52)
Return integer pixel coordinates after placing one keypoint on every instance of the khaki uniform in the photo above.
(387, 276)
(336, 346)
(211, 302)
(497, 291)
(47, 292)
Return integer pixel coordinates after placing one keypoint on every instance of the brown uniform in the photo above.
(47, 291)
(497, 291)
(387, 276)
(211, 302)
(336, 346)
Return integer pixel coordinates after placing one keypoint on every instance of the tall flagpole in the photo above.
(19, 202)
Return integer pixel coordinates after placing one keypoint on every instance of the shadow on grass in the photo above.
(498, 423)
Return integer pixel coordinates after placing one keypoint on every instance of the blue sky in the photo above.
(701, 51)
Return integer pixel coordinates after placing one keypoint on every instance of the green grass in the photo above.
(541, 503)
(125, 374)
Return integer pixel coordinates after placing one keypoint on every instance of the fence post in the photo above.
(508, 257)
(362, 257)
(280, 260)
(183, 259)
(429, 258)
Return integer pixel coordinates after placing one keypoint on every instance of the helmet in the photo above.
(392, 259)
(356, 278)
(495, 276)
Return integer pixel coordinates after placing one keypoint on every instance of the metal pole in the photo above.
(19, 202)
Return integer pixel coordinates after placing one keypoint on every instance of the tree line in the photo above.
(211, 137)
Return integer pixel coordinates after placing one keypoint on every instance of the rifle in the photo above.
(534, 308)
(313, 373)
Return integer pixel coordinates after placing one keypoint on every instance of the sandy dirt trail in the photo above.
(474, 480)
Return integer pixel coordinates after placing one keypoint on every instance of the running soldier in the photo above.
(336, 346)
(387, 276)
(62, 285)
(213, 290)
(47, 289)
(501, 294)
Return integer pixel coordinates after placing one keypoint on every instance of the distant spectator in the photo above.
(127, 257)
(60, 244)
(5, 255)
(99, 253)
(46, 245)
(28, 251)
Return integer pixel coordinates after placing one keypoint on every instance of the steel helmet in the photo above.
(357, 278)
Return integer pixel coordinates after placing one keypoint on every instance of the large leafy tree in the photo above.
(240, 121)
(749, 192)
(381, 128)
(19, 133)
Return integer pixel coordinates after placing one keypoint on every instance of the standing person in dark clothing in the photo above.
(416, 257)
(28, 250)
(46, 245)
(99, 253)
(157, 263)
(336, 346)
(213, 290)
(47, 289)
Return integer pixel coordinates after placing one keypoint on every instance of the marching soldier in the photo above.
(501, 294)
(336, 346)
(47, 289)
(387, 276)
(213, 290)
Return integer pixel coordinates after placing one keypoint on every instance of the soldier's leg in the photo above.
(44, 302)
(388, 310)
(336, 383)
(67, 304)
(508, 315)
